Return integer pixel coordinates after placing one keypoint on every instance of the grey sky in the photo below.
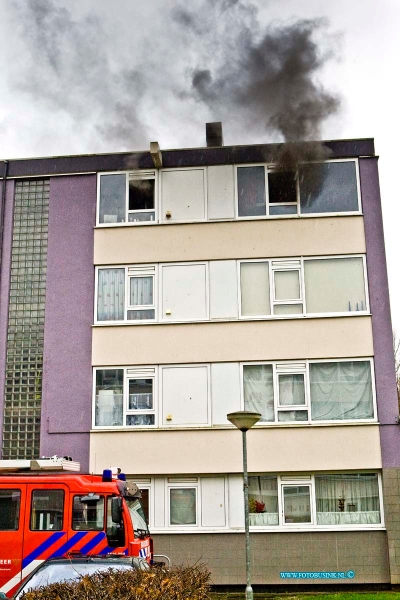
(97, 76)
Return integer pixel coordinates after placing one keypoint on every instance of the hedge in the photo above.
(178, 583)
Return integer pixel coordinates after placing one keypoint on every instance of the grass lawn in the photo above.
(310, 596)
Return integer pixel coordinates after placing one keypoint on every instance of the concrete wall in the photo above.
(67, 374)
(334, 337)
(364, 552)
(270, 449)
(262, 238)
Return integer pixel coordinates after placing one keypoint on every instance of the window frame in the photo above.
(308, 479)
(183, 483)
(139, 372)
(156, 174)
(273, 265)
(130, 271)
(353, 313)
(138, 174)
(136, 272)
(32, 510)
(270, 168)
(287, 367)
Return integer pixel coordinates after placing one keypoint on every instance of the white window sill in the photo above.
(236, 320)
(269, 530)
(234, 220)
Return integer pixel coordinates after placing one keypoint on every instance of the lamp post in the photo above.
(244, 420)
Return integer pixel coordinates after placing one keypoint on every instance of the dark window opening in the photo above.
(141, 194)
(282, 187)
(9, 509)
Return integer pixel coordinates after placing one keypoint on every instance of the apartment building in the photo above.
(146, 295)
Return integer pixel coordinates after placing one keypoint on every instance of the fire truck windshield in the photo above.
(137, 515)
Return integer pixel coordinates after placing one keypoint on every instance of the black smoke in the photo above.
(267, 77)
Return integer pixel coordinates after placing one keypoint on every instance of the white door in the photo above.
(184, 292)
(183, 195)
(185, 395)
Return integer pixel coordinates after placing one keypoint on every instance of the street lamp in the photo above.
(244, 420)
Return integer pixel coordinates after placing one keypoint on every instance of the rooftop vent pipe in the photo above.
(214, 134)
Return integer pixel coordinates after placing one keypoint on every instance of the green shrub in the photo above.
(178, 583)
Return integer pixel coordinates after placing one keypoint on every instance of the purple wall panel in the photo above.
(380, 309)
(67, 372)
(5, 289)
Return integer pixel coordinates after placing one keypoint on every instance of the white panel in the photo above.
(225, 391)
(159, 502)
(213, 502)
(223, 289)
(183, 195)
(221, 198)
(185, 395)
(184, 292)
(236, 501)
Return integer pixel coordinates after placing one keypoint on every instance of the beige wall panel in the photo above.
(233, 239)
(232, 341)
(276, 449)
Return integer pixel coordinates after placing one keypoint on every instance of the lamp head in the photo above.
(243, 419)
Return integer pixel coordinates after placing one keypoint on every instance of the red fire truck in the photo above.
(49, 509)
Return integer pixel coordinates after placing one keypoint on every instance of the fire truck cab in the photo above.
(49, 509)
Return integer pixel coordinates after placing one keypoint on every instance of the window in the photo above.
(109, 397)
(310, 391)
(251, 191)
(341, 390)
(331, 285)
(328, 187)
(124, 397)
(141, 300)
(47, 510)
(287, 294)
(347, 499)
(321, 500)
(127, 197)
(183, 506)
(335, 285)
(111, 294)
(10, 501)
(136, 303)
(254, 288)
(88, 513)
(140, 410)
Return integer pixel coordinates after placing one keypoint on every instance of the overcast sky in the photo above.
(86, 76)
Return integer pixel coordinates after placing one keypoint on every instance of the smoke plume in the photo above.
(117, 84)
(266, 76)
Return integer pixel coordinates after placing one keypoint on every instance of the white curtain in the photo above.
(354, 494)
(291, 390)
(341, 390)
(141, 291)
(183, 506)
(111, 295)
(259, 390)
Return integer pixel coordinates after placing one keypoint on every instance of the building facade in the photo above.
(146, 295)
